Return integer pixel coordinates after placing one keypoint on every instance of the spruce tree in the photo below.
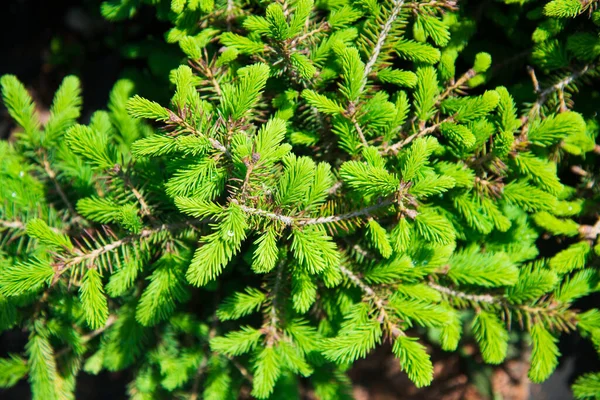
(327, 177)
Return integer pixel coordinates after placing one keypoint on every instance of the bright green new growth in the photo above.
(322, 181)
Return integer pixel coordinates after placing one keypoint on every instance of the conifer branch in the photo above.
(449, 4)
(367, 290)
(242, 370)
(145, 209)
(561, 101)
(590, 232)
(211, 75)
(385, 30)
(394, 149)
(206, 69)
(383, 34)
(359, 131)
(202, 367)
(19, 225)
(553, 312)
(286, 220)
(140, 198)
(560, 85)
(370, 294)
(197, 377)
(109, 322)
(460, 82)
(534, 79)
(250, 164)
(229, 13)
(12, 224)
(363, 253)
(214, 142)
(299, 221)
(52, 175)
(266, 79)
(323, 27)
(479, 298)
(335, 187)
(273, 316)
(92, 255)
(89, 336)
(353, 214)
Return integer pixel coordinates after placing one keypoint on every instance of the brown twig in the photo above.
(52, 175)
(12, 224)
(590, 232)
(483, 298)
(323, 27)
(564, 318)
(370, 294)
(396, 147)
(86, 338)
(560, 85)
(300, 221)
(214, 142)
(271, 326)
(383, 34)
(460, 82)
(360, 133)
(90, 256)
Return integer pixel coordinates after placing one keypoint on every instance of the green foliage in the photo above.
(426, 92)
(324, 179)
(92, 145)
(417, 52)
(240, 304)
(414, 360)
(268, 369)
(571, 258)
(544, 357)
(19, 104)
(236, 343)
(533, 282)
(491, 336)
(12, 370)
(239, 99)
(265, 255)
(166, 289)
(142, 108)
(93, 301)
(321, 103)
(25, 277)
(369, 180)
(65, 109)
(587, 386)
(358, 335)
(555, 128)
(474, 267)
(37, 228)
(563, 8)
(43, 374)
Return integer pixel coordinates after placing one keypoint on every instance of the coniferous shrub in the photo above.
(326, 177)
